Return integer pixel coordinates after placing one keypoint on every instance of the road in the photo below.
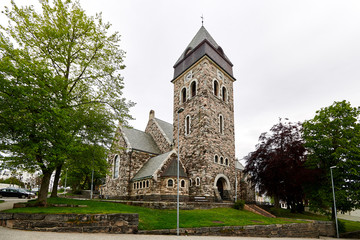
(9, 203)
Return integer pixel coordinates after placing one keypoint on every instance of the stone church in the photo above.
(144, 163)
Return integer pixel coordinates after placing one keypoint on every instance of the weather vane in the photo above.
(202, 20)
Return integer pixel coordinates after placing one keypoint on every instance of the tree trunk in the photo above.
(42, 198)
(56, 181)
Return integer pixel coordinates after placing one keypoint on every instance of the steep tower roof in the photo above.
(202, 44)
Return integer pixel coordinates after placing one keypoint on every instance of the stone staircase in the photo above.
(258, 210)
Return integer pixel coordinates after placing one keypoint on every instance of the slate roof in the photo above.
(200, 36)
(171, 170)
(167, 128)
(151, 166)
(140, 140)
(239, 166)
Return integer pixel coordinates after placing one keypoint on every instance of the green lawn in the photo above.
(160, 219)
(1, 201)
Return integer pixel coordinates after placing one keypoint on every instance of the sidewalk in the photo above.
(12, 234)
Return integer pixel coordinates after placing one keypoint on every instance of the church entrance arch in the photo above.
(222, 184)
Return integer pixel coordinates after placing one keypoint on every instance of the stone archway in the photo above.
(222, 187)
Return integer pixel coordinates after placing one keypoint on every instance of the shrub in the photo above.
(239, 204)
(341, 226)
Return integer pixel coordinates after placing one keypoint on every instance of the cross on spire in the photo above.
(202, 20)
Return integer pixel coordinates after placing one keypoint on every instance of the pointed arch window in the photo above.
(221, 124)
(226, 162)
(221, 160)
(183, 95)
(116, 166)
(216, 88)
(187, 125)
(193, 89)
(224, 94)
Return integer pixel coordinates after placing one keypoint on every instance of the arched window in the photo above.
(197, 181)
(170, 183)
(147, 183)
(221, 160)
(137, 185)
(193, 89)
(116, 166)
(221, 124)
(143, 184)
(224, 94)
(216, 159)
(216, 88)
(226, 161)
(134, 185)
(183, 95)
(140, 184)
(187, 125)
(182, 183)
(190, 182)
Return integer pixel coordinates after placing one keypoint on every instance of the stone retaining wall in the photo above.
(172, 205)
(105, 223)
(313, 229)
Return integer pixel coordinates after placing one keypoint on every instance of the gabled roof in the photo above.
(239, 166)
(171, 170)
(152, 165)
(140, 140)
(200, 36)
(167, 128)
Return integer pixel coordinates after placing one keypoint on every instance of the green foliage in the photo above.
(12, 180)
(80, 167)
(239, 204)
(150, 219)
(341, 226)
(332, 138)
(60, 87)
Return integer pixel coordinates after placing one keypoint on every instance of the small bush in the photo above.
(341, 226)
(239, 204)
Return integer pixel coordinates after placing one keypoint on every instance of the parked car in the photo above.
(16, 192)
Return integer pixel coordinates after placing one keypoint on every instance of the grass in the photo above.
(1, 201)
(285, 213)
(150, 219)
(351, 226)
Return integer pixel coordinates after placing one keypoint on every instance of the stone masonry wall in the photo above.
(105, 223)
(294, 230)
(153, 129)
(130, 164)
(198, 149)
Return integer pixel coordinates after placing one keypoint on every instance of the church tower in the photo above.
(203, 92)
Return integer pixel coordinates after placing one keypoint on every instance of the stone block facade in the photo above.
(204, 103)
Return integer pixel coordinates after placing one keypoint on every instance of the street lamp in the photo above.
(333, 190)
(178, 170)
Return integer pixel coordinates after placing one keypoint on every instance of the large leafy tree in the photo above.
(60, 86)
(332, 138)
(277, 164)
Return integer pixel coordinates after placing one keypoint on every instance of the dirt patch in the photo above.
(255, 221)
(217, 222)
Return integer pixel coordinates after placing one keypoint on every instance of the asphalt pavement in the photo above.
(12, 234)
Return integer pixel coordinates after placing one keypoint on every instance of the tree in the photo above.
(60, 85)
(276, 166)
(332, 138)
(79, 172)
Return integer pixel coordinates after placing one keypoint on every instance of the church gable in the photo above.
(161, 132)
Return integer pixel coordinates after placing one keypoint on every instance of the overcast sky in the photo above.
(290, 57)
